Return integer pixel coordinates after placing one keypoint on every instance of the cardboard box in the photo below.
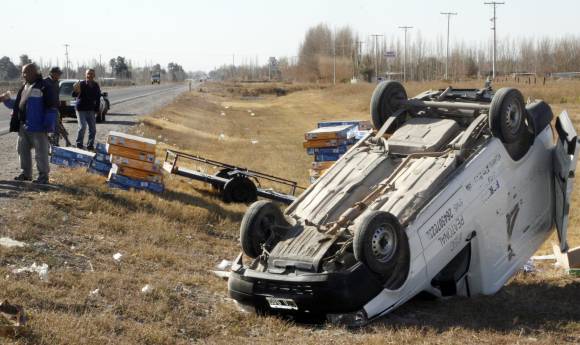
(362, 125)
(137, 174)
(321, 165)
(132, 141)
(327, 143)
(332, 132)
(101, 148)
(130, 153)
(72, 153)
(330, 157)
(327, 150)
(68, 162)
(103, 167)
(103, 157)
(154, 167)
(124, 182)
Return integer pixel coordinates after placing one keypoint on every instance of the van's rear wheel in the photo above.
(381, 244)
(386, 100)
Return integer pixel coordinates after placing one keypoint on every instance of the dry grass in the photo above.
(171, 241)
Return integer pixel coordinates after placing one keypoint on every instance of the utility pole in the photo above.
(494, 28)
(405, 28)
(67, 60)
(448, 14)
(358, 55)
(334, 58)
(376, 56)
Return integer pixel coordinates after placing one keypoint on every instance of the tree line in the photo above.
(326, 55)
(120, 68)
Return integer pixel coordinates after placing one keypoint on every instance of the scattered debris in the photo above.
(223, 269)
(252, 114)
(544, 257)
(12, 320)
(222, 137)
(529, 267)
(117, 257)
(94, 293)
(569, 262)
(223, 113)
(42, 270)
(9, 243)
(254, 141)
(147, 289)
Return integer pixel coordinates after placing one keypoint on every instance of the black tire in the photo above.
(386, 101)
(382, 245)
(507, 115)
(256, 226)
(240, 189)
(508, 121)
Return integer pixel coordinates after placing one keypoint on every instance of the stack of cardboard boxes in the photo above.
(133, 163)
(101, 163)
(330, 141)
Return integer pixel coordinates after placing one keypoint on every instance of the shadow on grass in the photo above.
(123, 202)
(11, 189)
(531, 307)
(121, 114)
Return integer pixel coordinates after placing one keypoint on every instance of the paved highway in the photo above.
(116, 96)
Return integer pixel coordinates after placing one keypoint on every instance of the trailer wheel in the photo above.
(240, 189)
(381, 244)
(223, 173)
(508, 121)
(386, 101)
(257, 226)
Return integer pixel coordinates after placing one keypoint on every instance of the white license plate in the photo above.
(282, 303)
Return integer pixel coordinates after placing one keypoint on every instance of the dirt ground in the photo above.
(172, 240)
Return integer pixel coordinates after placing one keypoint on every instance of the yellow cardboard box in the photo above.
(154, 167)
(130, 153)
(138, 174)
(325, 143)
(132, 141)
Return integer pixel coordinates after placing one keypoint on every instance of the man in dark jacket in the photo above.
(33, 117)
(54, 80)
(88, 94)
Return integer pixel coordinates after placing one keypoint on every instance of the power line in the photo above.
(405, 28)
(494, 28)
(448, 14)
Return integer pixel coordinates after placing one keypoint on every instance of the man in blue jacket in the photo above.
(33, 117)
(88, 94)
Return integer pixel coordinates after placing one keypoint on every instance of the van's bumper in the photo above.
(312, 294)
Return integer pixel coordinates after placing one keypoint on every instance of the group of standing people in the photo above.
(35, 116)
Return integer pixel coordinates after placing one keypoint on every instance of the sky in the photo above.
(203, 35)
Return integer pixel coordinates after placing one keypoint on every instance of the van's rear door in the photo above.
(564, 160)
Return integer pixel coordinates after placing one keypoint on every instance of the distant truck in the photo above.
(156, 78)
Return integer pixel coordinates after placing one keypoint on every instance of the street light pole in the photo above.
(448, 14)
(405, 28)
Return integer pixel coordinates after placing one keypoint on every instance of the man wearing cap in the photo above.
(53, 79)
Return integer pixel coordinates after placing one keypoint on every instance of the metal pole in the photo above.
(448, 14)
(67, 61)
(405, 28)
(494, 28)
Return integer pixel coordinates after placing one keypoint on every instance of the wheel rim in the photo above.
(513, 118)
(391, 101)
(384, 243)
